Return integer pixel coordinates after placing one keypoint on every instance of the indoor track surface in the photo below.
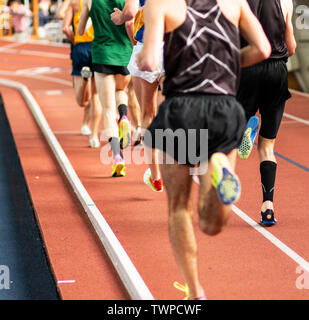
(244, 262)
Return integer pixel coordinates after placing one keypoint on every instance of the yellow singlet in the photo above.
(88, 35)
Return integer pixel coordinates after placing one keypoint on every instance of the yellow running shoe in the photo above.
(224, 179)
(124, 132)
(119, 169)
(185, 289)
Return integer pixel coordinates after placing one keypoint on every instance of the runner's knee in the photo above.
(266, 149)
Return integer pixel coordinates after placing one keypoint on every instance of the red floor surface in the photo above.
(240, 263)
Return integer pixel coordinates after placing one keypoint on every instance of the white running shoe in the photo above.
(86, 73)
(85, 130)
(94, 142)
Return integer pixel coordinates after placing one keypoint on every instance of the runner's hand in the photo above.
(116, 17)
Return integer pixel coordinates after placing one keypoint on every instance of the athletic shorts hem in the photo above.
(110, 69)
(150, 77)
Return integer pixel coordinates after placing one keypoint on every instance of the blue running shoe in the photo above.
(268, 218)
(247, 142)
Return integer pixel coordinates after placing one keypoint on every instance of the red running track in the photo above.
(240, 264)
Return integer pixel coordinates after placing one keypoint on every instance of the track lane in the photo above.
(71, 243)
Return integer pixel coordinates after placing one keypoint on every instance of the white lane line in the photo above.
(65, 281)
(24, 52)
(44, 54)
(129, 275)
(288, 122)
(274, 240)
(37, 76)
(54, 92)
(290, 116)
(42, 43)
(67, 132)
(269, 236)
(11, 45)
(38, 70)
(302, 94)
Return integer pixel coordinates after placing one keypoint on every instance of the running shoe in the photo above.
(185, 289)
(119, 169)
(85, 130)
(224, 179)
(86, 73)
(249, 136)
(268, 218)
(124, 132)
(137, 138)
(94, 142)
(155, 185)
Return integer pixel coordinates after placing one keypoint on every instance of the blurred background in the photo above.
(24, 20)
(299, 64)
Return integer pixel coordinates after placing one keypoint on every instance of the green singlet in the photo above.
(111, 44)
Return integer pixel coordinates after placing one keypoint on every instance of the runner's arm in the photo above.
(130, 31)
(128, 13)
(259, 47)
(154, 20)
(289, 33)
(66, 24)
(84, 15)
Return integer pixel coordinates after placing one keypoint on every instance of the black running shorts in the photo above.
(194, 126)
(264, 87)
(110, 69)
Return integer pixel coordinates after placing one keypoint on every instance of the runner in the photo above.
(85, 90)
(127, 16)
(145, 83)
(202, 63)
(264, 87)
(61, 14)
(111, 51)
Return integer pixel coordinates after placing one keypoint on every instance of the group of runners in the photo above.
(187, 65)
